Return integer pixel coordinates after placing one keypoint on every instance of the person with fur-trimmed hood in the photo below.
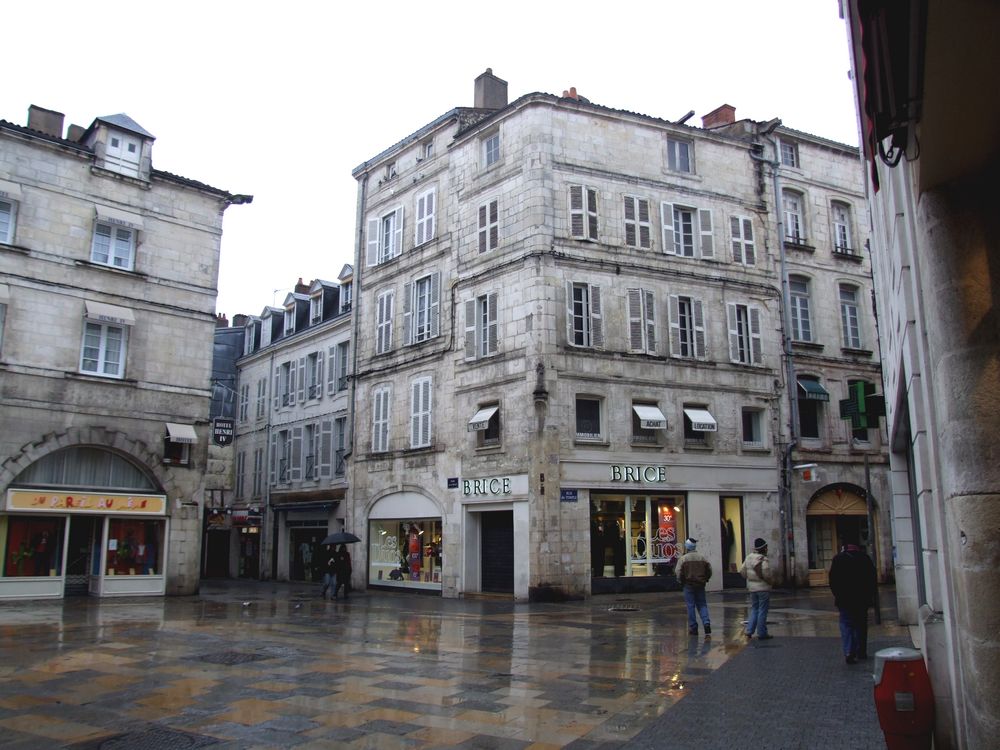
(693, 572)
(757, 570)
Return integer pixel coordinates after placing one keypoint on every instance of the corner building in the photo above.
(108, 273)
(569, 351)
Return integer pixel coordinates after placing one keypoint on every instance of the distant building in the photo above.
(292, 432)
(570, 350)
(926, 74)
(108, 271)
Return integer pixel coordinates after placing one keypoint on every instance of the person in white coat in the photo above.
(757, 570)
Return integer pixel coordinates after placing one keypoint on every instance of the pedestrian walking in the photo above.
(693, 572)
(853, 582)
(757, 570)
(326, 563)
(342, 570)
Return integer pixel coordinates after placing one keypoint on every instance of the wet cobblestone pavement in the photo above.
(262, 665)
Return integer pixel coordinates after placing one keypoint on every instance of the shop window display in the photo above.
(33, 547)
(134, 547)
(405, 553)
(636, 535)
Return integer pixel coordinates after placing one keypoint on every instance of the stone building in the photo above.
(932, 153)
(293, 430)
(570, 352)
(108, 271)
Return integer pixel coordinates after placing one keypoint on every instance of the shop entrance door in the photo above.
(305, 554)
(217, 555)
(84, 544)
(497, 564)
(733, 547)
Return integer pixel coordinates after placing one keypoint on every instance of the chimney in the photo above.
(240, 320)
(491, 92)
(302, 288)
(571, 94)
(75, 133)
(221, 321)
(45, 121)
(724, 115)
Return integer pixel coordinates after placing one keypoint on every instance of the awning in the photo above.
(812, 390)
(181, 433)
(109, 313)
(482, 419)
(10, 191)
(650, 417)
(701, 420)
(119, 217)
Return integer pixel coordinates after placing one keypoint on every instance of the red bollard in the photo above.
(903, 699)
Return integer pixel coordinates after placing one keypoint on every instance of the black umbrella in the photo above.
(341, 537)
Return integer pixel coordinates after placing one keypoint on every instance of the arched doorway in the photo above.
(835, 513)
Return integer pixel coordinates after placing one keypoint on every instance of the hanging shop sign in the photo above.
(223, 429)
(38, 501)
(640, 474)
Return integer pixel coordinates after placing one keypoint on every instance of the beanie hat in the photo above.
(690, 544)
(759, 544)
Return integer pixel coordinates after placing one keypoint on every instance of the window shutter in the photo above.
(272, 469)
(577, 219)
(301, 379)
(755, 337)
(397, 235)
(425, 421)
(319, 373)
(737, 238)
(376, 420)
(295, 465)
(645, 234)
(650, 313)
(331, 374)
(326, 448)
(408, 290)
(419, 223)
(667, 222)
(277, 387)
(707, 236)
(592, 214)
(630, 226)
(635, 319)
(415, 413)
(431, 214)
(435, 310)
(483, 228)
(492, 328)
(470, 329)
(373, 239)
(675, 326)
(596, 318)
(494, 240)
(569, 313)
(749, 251)
(699, 328)
(734, 333)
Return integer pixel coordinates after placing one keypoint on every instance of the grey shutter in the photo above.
(645, 238)
(596, 318)
(735, 230)
(295, 465)
(319, 373)
(421, 233)
(331, 371)
(301, 379)
(633, 299)
(592, 214)
(470, 329)
(494, 239)
(667, 223)
(274, 459)
(277, 387)
(675, 326)
(373, 240)
(325, 448)
(569, 314)
(707, 235)
(397, 235)
(435, 310)
(756, 356)
(414, 413)
(577, 215)
(483, 228)
(699, 328)
(408, 289)
(630, 226)
(492, 327)
(650, 322)
(749, 251)
(734, 333)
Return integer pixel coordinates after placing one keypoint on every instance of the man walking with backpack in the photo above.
(693, 572)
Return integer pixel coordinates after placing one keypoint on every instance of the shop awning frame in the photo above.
(650, 417)
(181, 433)
(481, 419)
(811, 390)
(105, 313)
(702, 420)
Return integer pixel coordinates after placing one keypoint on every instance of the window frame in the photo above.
(746, 341)
(840, 218)
(422, 312)
(381, 413)
(695, 329)
(100, 361)
(584, 205)
(383, 321)
(756, 415)
(789, 153)
(589, 437)
(113, 256)
(492, 436)
(591, 330)
(425, 224)
(488, 225)
(482, 328)
(793, 205)
(7, 236)
(810, 409)
(491, 149)
(742, 241)
(644, 435)
(638, 231)
(850, 316)
(421, 411)
(799, 313)
(640, 309)
(384, 240)
(675, 161)
(115, 159)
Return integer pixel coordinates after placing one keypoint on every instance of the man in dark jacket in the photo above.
(693, 572)
(852, 581)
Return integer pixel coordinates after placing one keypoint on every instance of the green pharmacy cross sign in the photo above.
(863, 408)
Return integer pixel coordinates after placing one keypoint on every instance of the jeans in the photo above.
(854, 632)
(760, 601)
(330, 582)
(694, 598)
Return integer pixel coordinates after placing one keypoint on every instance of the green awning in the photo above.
(812, 390)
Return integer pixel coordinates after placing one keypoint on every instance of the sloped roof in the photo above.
(123, 121)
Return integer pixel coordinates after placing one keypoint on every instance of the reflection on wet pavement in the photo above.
(379, 670)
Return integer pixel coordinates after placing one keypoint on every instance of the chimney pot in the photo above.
(221, 321)
(723, 115)
(240, 320)
(490, 91)
(46, 121)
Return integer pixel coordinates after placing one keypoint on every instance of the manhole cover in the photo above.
(623, 608)
(230, 657)
(153, 738)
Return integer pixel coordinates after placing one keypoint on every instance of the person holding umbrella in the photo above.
(342, 570)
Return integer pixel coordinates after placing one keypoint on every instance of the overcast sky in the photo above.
(283, 100)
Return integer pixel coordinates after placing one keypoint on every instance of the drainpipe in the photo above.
(272, 517)
(765, 131)
(356, 297)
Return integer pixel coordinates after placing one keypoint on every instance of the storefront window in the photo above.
(135, 547)
(33, 546)
(636, 535)
(405, 554)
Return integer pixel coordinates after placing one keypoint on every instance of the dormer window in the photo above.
(345, 296)
(316, 308)
(122, 153)
(290, 320)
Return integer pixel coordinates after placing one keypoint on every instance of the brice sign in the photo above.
(638, 473)
(493, 486)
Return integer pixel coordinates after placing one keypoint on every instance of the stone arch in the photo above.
(113, 440)
(834, 511)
